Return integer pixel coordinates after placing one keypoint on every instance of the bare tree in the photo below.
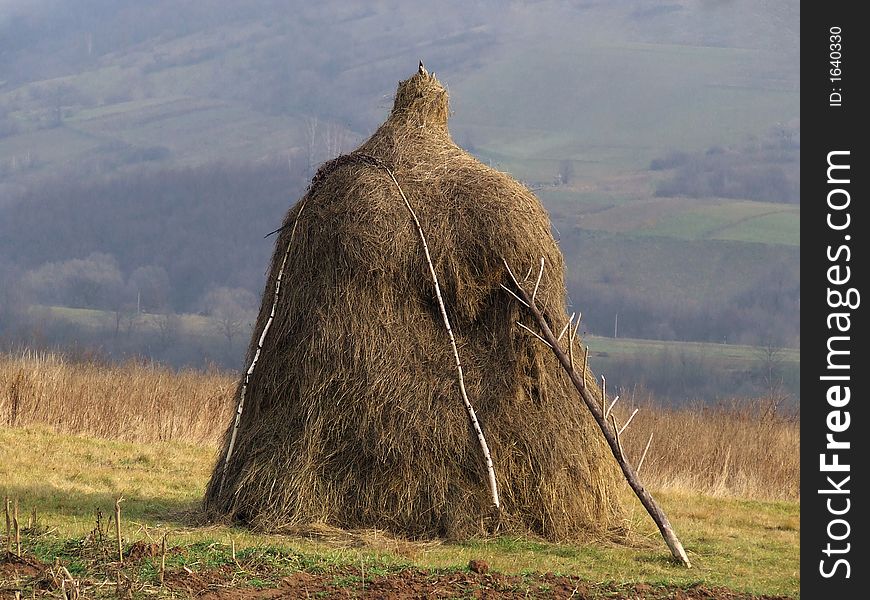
(168, 325)
(565, 173)
(311, 144)
(335, 138)
(231, 311)
(602, 413)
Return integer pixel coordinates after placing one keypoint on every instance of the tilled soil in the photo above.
(350, 582)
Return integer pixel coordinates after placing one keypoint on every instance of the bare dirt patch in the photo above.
(408, 584)
(15, 567)
(229, 582)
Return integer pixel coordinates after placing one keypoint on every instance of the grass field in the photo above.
(745, 545)
(624, 357)
(79, 435)
(679, 270)
(727, 352)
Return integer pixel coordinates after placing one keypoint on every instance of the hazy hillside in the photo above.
(149, 146)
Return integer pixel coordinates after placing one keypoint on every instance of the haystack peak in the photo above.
(421, 100)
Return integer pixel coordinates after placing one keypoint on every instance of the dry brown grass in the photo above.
(739, 449)
(136, 402)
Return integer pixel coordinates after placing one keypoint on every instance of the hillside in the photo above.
(157, 143)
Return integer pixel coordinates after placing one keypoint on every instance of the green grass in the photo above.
(745, 221)
(744, 545)
(726, 352)
(669, 269)
(636, 212)
(774, 228)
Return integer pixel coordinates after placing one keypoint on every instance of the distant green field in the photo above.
(727, 352)
(773, 228)
(636, 211)
(745, 221)
(568, 201)
(671, 269)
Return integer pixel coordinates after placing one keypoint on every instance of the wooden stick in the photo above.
(118, 527)
(163, 558)
(514, 295)
(609, 432)
(241, 403)
(6, 502)
(493, 487)
(612, 404)
(538, 282)
(565, 328)
(618, 439)
(545, 342)
(17, 529)
(645, 450)
(571, 344)
(623, 428)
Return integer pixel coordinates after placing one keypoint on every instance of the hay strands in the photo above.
(610, 431)
(484, 447)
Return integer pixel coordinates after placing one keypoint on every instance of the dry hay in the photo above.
(353, 416)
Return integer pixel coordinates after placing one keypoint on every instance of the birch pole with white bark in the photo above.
(240, 406)
(484, 447)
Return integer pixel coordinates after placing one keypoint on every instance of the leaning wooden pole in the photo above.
(610, 433)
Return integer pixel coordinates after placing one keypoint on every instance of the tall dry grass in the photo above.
(135, 401)
(741, 449)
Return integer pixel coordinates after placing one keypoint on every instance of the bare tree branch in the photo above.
(545, 342)
(645, 450)
(625, 426)
(609, 430)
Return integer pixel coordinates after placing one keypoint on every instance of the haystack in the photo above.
(353, 416)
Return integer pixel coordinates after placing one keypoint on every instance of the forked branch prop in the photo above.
(609, 429)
